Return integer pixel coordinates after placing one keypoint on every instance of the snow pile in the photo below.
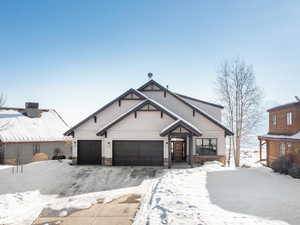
(57, 185)
(214, 195)
(17, 127)
(2, 167)
(207, 195)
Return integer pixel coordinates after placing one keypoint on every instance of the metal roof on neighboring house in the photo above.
(17, 127)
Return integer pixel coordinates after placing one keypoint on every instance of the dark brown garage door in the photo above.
(138, 153)
(89, 152)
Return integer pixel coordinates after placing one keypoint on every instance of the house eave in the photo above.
(131, 90)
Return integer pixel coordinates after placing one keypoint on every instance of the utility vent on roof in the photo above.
(32, 109)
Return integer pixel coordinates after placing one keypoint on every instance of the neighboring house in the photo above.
(151, 126)
(30, 130)
(284, 132)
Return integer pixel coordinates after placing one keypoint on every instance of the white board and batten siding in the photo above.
(215, 112)
(146, 126)
(207, 127)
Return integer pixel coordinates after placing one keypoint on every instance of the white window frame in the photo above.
(274, 120)
(282, 149)
(289, 146)
(289, 118)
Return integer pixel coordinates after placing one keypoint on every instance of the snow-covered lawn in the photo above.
(208, 195)
(212, 195)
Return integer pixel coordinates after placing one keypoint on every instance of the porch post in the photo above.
(268, 150)
(169, 152)
(260, 149)
(191, 150)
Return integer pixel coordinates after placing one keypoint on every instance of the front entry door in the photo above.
(179, 151)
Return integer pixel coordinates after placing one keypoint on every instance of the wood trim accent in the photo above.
(131, 90)
(137, 108)
(180, 124)
(227, 131)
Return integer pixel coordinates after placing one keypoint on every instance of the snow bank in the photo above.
(214, 195)
(57, 185)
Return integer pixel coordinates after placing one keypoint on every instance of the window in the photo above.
(274, 120)
(282, 149)
(206, 146)
(289, 146)
(289, 118)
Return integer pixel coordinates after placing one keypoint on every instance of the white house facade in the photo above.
(150, 126)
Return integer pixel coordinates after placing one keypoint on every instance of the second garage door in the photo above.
(138, 153)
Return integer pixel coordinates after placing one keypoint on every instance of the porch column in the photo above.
(169, 152)
(191, 150)
(268, 151)
(260, 149)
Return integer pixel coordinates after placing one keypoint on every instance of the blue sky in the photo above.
(75, 56)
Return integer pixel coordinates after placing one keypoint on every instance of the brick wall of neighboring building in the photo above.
(281, 126)
(274, 150)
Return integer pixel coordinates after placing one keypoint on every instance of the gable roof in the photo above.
(200, 101)
(179, 123)
(130, 91)
(17, 127)
(291, 104)
(134, 109)
(148, 100)
(197, 109)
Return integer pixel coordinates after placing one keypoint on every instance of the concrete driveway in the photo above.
(120, 211)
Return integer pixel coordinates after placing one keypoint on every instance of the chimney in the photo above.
(32, 109)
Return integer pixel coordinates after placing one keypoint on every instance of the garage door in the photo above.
(89, 152)
(138, 153)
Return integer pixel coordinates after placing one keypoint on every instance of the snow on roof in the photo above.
(16, 127)
(278, 136)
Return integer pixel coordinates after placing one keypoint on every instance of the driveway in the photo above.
(120, 211)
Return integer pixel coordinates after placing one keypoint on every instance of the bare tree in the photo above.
(241, 97)
(2, 102)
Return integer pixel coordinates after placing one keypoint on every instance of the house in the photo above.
(284, 133)
(30, 130)
(151, 126)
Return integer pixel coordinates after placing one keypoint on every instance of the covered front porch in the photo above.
(180, 142)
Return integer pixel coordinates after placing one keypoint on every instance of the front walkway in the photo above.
(118, 212)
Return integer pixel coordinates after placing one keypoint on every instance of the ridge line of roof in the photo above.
(199, 100)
